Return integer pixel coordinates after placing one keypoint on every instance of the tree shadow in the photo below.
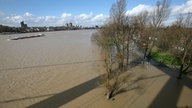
(134, 84)
(173, 73)
(169, 95)
(67, 96)
(50, 65)
(166, 97)
(26, 98)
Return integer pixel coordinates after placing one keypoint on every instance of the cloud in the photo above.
(184, 8)
(99, 17)
(65, 18)
(91, 19)
(85, 17)
(66, 15)
(50, 18)
(175, 10)
(82, 19)
(138, 9)
(13, 19)
(179, 9)
(27, 14)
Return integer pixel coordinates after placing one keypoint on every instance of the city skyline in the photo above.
(79, 12)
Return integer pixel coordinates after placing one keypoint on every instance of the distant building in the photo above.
(23, 25)
(69, 25)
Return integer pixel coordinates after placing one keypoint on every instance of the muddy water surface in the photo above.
(35, 69)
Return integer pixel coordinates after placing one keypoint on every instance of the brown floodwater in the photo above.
(54, 48)
(35, 69)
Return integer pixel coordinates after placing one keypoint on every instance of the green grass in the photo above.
(164, 57)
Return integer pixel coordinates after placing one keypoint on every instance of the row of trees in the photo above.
(177, 41)
(147, 31)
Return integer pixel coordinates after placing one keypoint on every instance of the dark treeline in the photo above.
(7, 29)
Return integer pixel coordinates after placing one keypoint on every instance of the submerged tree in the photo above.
(113, 40)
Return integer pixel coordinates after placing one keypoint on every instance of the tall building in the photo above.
(70, 25)
(23, 25)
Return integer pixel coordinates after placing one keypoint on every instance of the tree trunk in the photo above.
(180, 72)
(110, 94)
(145, 52)
(121, 67)
(151, 48)
(127, 54)
(180, 75)
(149, 56)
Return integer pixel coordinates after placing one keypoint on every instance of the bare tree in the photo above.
(158, 16)
(112, 39)
(118, 23)
(142, 30)
(182, 43)
(148, 26)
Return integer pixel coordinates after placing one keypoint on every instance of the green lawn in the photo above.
(164, 57)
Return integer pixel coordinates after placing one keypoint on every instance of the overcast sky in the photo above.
(79, 12)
